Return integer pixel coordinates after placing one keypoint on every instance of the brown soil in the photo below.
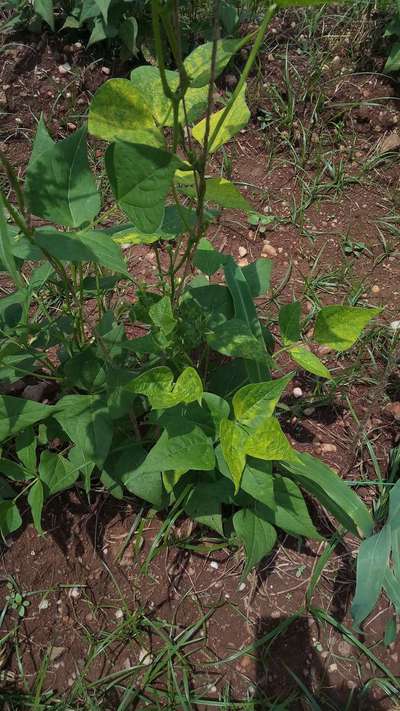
(76, 567)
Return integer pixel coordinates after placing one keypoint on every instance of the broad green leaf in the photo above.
(17, 413)
(339, 326)
(35, 501)
(6, 253)
(56, 473)
(268, 442)
(162, 315)
(128, 31)
(181, 446)
(42, 141)
(372, 563)
(223, 193)
(236, 119)
(254, 402)
(93, 246)
(6, 491)
(45, 10)
(393, 60)
(214, 301)
(204, 505)
(234, 338)
(177, 221)
(124, 467)
(258, 276)
(207, 415)
(10, 518)
(233, 440)
(114, 486)
(322, 482)
(81, 463)
(103, 6)
(25, 447)
(289, 322)
(310, 362)
(118, 112)
(86, 421)
(59, 185)
(147, 81)
(13, 470)
(198, 62)
(157, 385)
(256, 534)
(140, 178)
(208, 259)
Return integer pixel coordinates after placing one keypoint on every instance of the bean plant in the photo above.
(171, 389)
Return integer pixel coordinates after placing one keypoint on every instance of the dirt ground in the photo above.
(82, 580)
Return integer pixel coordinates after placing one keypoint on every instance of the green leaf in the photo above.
(198, 62)
(157, 385)
(56, 473)
(45, 10)
(258, 276)
(16, 414)
(207, 415)
(124, 467)
(35, 501)
(223, 193)
(372, 563)
(289, 322)
(6, 252)
(208, 259)
(394, 508)
(233, 440)
(234, 338)
(147, 81)
(118, 112)
(204, 505)
(333, 493)
(103, 6)
(182, 446)
(256, 534)
(339, 326)
(393, 60)
(140, 178)
(93, 246)
(268, 442)
(213, 299)
(13, 471)
(177, 221)
(300, 3)
(10, 518)
(128, 31)
(254, 402)
(86, 421)
(310, 362)
(59, 186)
(162, 315)
(25, 447)
(236, 119)
(81, 463)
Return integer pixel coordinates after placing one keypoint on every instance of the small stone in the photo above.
(145, 657)
(106, 70)
(394, 409)
(309, 411)
(336, 61)
(275, 614)
(324, 350)
(375, 289)
(71, 126)
(395, 325)
(43, 605)
(332, 668)
(268, 250)
(74, 593)
(344, 648)
(18, 120)
(81, 101)
(231, 80)
(243, 262)
(214, 565)
(242, 251)
(119, 614)
(78, 45)
(56, 653)
(64, 68)
(242, 587)
(326, 447)
(297, 392)
(394, 657)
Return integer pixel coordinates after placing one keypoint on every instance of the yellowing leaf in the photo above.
(268, 442)
(339, 326)
(222, 192)
(235, 120)
(118, 111)
(233, 444)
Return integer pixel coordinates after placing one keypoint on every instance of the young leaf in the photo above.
(59, 185)
(393, 60)
(56, 473)
(268, 442)
(322, 482)
(45, 10)
(223, 193)
(83, 465)
(310, 362)
(198, 63)
(124, 467)
(237, 118)
(289, 322)
(233, 440)
(234, 338)
(162, 315)
(10, 518)
(117, 111)
(339, 326)
(16, 414)
(147, 81)
(140, 178)
(93, 246)
(86, 421)
(128, 32)
(258, 276)
(372, 563)
(256, 534)
(35, 501)
(157, 385)
(208, 259)
(25, 447)
(103, 6)
(254, 402)
(182, 446)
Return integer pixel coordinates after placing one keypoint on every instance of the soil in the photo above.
(77, 572)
